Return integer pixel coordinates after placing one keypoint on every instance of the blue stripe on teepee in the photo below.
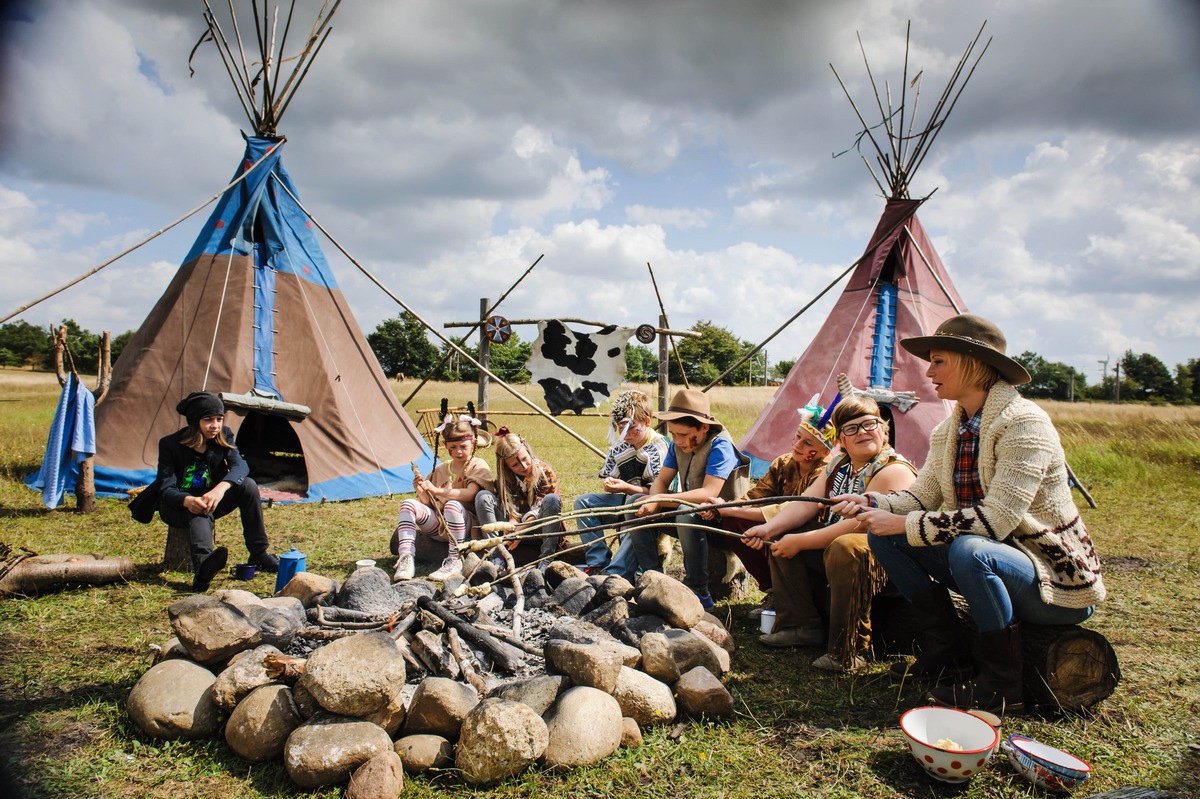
(264, 325)
(883, 348)
(258, 209)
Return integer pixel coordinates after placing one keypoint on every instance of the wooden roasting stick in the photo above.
(464, 663)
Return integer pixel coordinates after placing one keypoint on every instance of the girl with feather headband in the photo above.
(445, 498)
(526, 491)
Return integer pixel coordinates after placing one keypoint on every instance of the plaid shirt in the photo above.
(968, 490)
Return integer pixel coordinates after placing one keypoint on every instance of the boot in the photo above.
(940, 651)
(998, 688)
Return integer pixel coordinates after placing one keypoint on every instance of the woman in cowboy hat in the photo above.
(708, 464)
(990, 516)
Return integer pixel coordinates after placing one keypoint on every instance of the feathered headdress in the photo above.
(621, 415)
(815, 419)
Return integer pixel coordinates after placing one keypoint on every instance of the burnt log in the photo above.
(29, 576)
(505, 656)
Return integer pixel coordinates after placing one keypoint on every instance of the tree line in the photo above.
(403, 347)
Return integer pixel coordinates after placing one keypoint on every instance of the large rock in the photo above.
(632, 629)
(574, 594)
(212, 630)
(500, 739)
(537, 692)
(584, 726)
(608, 615)
(559, 571)
(278, 625)
(424, 752)
(657, 660)
(701, 694)
(310, 589)
(325, 749)
(174, 700)
(439, 706)
(667, 597)
(690, 650)
(412, 590)
(712, 629)
(609, 587)
(381, 777)
(244, 673)
(369, 590)
(644, 699)
(585, 664)
(260, 725)
(578, 631)
(355, 676)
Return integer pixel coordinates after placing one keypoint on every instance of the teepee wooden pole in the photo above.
(857, 113)
(878, 102)
(240, 86)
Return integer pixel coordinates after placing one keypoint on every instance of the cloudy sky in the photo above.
(447, 145)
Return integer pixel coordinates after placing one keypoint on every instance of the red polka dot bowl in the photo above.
(951, 745)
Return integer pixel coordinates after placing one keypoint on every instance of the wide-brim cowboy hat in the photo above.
(690, 403)
(974, 336)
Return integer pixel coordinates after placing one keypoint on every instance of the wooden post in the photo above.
(177, 556)
(485, 356)
(664, 365)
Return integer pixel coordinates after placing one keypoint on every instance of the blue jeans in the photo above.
(693, 542)
(597, 555)
(997, 580)
(486, 504)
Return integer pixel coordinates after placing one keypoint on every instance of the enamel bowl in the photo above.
(1046, 767)
(925, 727)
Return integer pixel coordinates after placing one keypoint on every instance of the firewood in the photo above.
(505, 656)
(464, 663)
(283, 667)
(44, 572)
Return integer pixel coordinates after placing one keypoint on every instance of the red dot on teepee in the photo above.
(220, 224)
(306, 270)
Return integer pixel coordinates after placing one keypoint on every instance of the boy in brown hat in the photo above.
(707, 464)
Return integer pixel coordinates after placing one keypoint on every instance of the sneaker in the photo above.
(405, 568)
(265, 561)
(827, 662)
(706, 600)
(450, 566)
(209, 567)
(794, 636)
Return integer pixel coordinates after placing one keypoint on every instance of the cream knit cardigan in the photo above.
(1027, 499)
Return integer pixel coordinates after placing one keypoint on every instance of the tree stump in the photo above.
(177, 556)
(1068, 667)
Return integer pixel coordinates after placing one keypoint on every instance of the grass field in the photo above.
(68, 660)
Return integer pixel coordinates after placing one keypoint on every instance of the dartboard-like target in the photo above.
(497, 329)
(645, 333)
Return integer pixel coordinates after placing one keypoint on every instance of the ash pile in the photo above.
(367, 681)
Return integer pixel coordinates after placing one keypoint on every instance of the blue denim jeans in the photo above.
(597, 555)
(997, 580)
(693, 542)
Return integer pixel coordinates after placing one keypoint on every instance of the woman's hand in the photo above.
(615, 485)
(849, 505)
(880, 522)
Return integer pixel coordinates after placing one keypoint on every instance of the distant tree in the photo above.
(402, 346)
(1193, 367)
(641, 364)
(781, 368)
(507, 361)
(705, 358)
(118, 345)
(1051, 379)
(26, 344)
(1149, 377)
(84, 347)
(1184, 385)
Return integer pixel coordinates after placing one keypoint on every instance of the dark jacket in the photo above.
(176, 467)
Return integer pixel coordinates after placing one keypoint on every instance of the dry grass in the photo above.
(68, 660)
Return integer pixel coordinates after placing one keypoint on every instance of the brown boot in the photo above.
(998, 688)
(941, 653)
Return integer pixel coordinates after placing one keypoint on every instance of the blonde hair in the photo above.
(508, 485)
(974, 372)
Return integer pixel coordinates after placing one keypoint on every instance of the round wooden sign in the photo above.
(497, 329)
(645, 334)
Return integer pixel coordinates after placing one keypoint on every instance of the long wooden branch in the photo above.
(503, 655)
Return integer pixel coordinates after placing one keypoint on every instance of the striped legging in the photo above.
(416, 515)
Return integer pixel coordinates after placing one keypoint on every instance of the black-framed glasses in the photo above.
(866, 426)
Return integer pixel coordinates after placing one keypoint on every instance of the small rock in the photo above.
(439, 706)
(665, 596)
(573, 594)
(537, 692)
(644, 699)
(369, 590)
(585, 664)
(631, 733)
(212, 630)
(310, 589)
(423, 752)
(657, 660)
(715, 632)
(701, 694)
(244, 673)
(381, 777)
